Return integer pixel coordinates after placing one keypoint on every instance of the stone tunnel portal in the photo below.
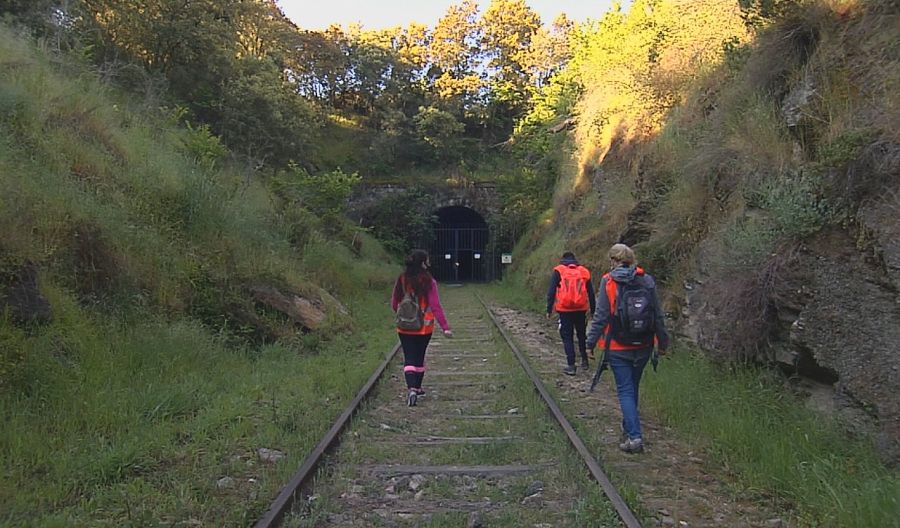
(460, 251)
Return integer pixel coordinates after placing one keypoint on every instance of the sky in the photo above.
(379, 14)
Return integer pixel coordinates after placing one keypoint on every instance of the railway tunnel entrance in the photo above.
(461, 249)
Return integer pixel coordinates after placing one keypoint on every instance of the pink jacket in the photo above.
(434, 303)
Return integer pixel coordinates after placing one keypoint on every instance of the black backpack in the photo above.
(635, 319)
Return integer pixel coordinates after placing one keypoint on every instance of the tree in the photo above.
(405, 88)
(37, 14)
(549, 51)
(454, 44)
(319, 64)
(509, 27)
(192, 43)
(454, 55)
(262, 118)
(440, 131)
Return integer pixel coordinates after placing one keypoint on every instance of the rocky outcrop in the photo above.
(850, 324)
(308, 314)
(834, 317)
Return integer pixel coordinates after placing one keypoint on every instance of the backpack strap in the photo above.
(422, 301)
(612, 293)
(403, 283)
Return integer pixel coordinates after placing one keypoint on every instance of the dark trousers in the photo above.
(414, 347)
(569, 321)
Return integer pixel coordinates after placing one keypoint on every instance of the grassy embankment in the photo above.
(714, 174)
(157, 375)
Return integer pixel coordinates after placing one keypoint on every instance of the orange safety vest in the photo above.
(612, 291)
(428, 326)
(571, 294)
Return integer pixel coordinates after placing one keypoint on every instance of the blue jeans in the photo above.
(627, 368)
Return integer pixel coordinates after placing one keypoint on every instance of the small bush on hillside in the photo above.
(744, 303)
(325, 193)
(204, 147)
(440, 131)
(795, 202)
(844, 148)
(298, 224)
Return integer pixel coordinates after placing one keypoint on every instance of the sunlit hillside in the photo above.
(753, 165)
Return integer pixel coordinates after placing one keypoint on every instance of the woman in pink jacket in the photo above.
(418, 282)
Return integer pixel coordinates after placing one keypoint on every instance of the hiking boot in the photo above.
(632, 445)
(584, 364)
(420, 392)
(411, 398)
(569, 370)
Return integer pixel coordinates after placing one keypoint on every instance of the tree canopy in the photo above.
(267, 87)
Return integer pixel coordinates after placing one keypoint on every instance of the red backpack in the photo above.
(572, 294)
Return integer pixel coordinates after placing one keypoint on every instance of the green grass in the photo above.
(512, 291)
(121, 425)
(96, 187)
(762, 434)
(143, 391)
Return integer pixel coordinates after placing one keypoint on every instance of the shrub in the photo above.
(201, 145)
(441, 131)
(324, 193)
(795, 202)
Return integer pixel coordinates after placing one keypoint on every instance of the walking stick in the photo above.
(603, 363)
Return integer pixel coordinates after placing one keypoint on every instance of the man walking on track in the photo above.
(571, 294)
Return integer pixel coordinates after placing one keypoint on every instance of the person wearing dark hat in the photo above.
(571, 294)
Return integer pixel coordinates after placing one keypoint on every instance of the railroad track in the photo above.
(479, 449)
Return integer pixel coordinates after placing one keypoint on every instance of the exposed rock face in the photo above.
(298, 309)
(793, 108)
(850, 324)
(835, 319)
(23, 298)
(309, 314)
(880, 219)
(825, 307)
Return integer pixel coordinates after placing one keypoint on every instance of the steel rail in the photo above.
(625, 513)
(307, 471)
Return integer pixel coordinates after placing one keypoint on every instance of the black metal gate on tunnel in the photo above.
(461, 246)
(460, 254)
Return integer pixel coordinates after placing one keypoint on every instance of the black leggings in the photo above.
(414, 358)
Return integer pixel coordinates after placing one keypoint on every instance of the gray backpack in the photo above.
(410, 315)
